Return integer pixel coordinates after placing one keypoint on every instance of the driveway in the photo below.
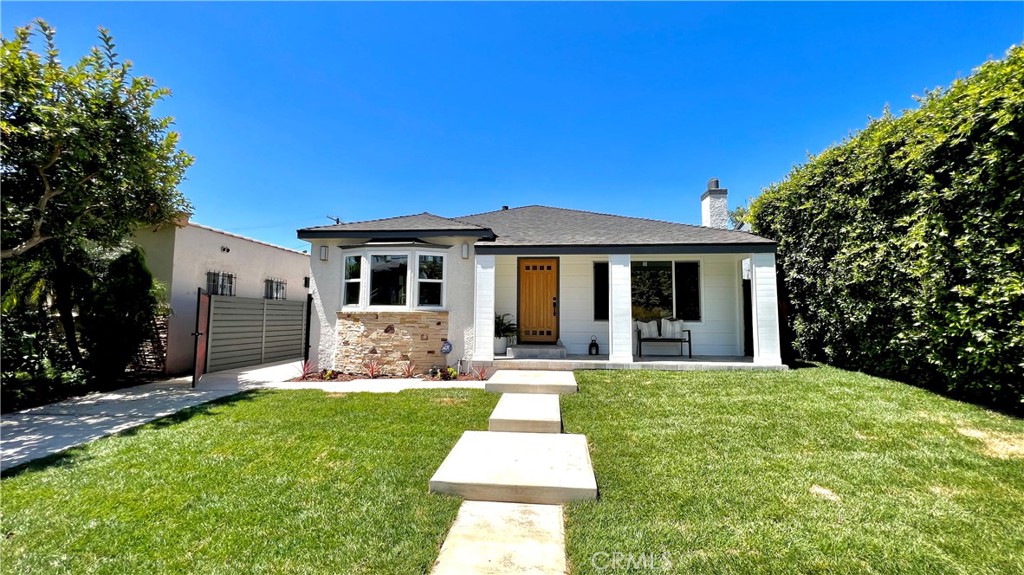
(47, 429)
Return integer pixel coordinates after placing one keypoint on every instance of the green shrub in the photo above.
(119, 315)
(902, 246)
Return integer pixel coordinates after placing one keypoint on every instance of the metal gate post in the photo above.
(263, 334)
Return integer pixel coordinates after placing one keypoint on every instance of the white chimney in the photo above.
(714, 206)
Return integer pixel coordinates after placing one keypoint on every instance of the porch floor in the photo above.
(657, 363)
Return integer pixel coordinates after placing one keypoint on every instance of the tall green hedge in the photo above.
(902, 248)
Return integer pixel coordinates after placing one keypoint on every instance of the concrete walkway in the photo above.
(514, 481)
(48, 429)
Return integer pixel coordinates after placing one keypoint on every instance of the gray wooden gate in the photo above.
(251, 331)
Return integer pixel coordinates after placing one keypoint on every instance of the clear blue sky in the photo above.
(299, 111)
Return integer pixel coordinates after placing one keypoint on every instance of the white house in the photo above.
(393, 290)
(192, 256)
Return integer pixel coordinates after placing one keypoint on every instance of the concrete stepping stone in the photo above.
(518, 468)
(527, 412)
(490, 538)
(531, 381)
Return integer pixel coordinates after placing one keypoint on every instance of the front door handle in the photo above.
(554, 306)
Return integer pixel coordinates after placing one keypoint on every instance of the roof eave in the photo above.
(546, 250)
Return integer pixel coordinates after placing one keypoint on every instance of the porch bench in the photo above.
(684, 336)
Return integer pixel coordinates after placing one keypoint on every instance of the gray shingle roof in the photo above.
(416, 222)
(541, 226)
(547, 226)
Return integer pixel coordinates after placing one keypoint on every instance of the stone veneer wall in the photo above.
(393, 338)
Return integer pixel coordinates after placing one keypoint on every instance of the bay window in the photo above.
(394, 279)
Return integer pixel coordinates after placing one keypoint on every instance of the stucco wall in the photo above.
(197, 250)
(326, 282)
(719, 332)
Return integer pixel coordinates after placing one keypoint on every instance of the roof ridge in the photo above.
(395, 218)
(607, 215)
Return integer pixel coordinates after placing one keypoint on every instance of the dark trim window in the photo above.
(601, 302)
(687, 290)
(665, 289)
(274, 289)
(220, 283)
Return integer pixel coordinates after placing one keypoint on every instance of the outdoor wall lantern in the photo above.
(594, 348)
(323, 253)
(465, 251)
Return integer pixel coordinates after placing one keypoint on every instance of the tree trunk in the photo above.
(63, 295)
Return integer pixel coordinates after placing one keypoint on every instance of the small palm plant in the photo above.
(504, 330)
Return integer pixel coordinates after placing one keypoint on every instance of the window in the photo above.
(220, 283)
(388, 278)
(411, 279)
(274, 289)
(431, 280)
(601, 291)
(353, 267)
(666, 289)
(688, 290)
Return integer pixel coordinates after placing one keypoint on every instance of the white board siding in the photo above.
(719, 333)
(484, 308)
(764, 298)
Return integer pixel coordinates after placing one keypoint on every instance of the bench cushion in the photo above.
(672, 329)
(648, 329)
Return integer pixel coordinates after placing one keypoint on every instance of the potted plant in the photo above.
(504, 330)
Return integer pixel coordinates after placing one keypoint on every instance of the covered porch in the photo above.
(562, 301)
(654, 363)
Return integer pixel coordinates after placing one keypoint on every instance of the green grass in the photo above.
(272, 482)
(714, 471)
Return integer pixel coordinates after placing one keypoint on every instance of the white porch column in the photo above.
(765, 309)
(483, 309)
(620, 314)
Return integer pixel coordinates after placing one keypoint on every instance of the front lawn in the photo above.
(271, 482)
(814, 470)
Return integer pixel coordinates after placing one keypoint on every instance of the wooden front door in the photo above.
(538, 300)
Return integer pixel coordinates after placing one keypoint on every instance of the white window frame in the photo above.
(412, 279)
(700, 281)
(443, 281)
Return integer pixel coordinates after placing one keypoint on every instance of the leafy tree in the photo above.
(82, 155)
(738, 217)
(84, 164)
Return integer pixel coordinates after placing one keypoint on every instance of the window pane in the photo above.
(430, 293)
(387, 279)
(652, 290)
(688, 290)
(352, 267)
(600, 290)
(431, 267)
(352, 293)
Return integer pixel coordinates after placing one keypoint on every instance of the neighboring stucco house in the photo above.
(192, 256)
(393, 289)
